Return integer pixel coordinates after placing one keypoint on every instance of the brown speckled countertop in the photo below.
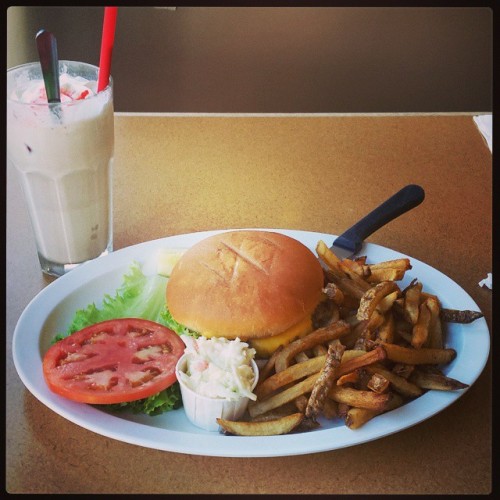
(176, 174)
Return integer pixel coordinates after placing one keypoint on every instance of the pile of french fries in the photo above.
(382, 347)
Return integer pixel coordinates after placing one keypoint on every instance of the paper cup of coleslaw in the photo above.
(203, 410)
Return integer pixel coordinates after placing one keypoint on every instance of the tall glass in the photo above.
(63, 154)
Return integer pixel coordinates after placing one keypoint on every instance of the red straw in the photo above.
(108, 39)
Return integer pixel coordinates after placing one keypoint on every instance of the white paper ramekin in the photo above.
(203, 411)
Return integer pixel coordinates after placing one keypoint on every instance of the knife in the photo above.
(350, 242)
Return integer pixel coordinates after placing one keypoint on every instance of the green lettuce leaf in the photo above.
(139, 296)
(166, 400)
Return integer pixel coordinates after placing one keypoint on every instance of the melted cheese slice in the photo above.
(267, 345)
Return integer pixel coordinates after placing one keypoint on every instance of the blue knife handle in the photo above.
(398, 204)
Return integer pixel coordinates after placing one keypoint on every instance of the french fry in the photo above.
(359, 398)
(378, 383)
(435, 339)
(291, 374)
(436, 381)
(319, 336)
(398, 383)
(402, 263)
(403, 370)
(361, 360)
(357, 331)
(403, 329)
(355, 267)
(373, 296)
(420, 331)
(268, 368)
(376, 319)
(378, 275)
(422, 356)
(350, 270)
(334, 293)
(319, 350)
(301, 357)
(325, 380)
(361, 259)
(305, 386)
(412, 302)
(385, 331)
(281, 411)
(329, 258)
(283, 425)
(391, 270)
(356, 417)
(349, 287)
(348, 378)
(387, 302)
(300, 403)
(457, 316)
(330, 409)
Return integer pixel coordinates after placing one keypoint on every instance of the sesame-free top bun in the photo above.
(246, 283)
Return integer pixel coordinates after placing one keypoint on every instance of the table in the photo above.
(176, 174)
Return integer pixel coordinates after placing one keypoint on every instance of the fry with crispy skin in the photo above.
(360, 360)
(412, 302)
(282, 425)
(379, 275)
(422, 356)
(398, 383)
(386, 330)
(291, 374)
(330, 409)
(329, 258)
(420, 332)
(268, 368)
(319, 336)
(303, 387)
(387, 302)
(325, 380)
(350, 270)
(373, 296)
(348, 378)
(334, 293)
(403, 263)
(457, 316)
(359, 398)
(356, 417)
(436, 381)
(349, 287)
(390, 270)
(435, 338)
(378, 383)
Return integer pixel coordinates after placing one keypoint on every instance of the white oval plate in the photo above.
(52, 309)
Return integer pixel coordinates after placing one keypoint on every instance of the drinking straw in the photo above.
(108, 39)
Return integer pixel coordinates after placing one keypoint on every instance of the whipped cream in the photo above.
(72, 88)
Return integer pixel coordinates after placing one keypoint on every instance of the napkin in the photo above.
(485, 125)
(488, 281)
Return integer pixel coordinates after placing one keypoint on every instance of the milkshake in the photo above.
(63, 155)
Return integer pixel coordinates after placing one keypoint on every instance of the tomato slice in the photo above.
(114, 361)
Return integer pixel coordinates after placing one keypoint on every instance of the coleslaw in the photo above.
(219, 368)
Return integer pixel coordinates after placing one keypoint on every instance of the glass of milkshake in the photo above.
(63, 155)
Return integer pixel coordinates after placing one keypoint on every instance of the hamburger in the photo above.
(259, 286)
